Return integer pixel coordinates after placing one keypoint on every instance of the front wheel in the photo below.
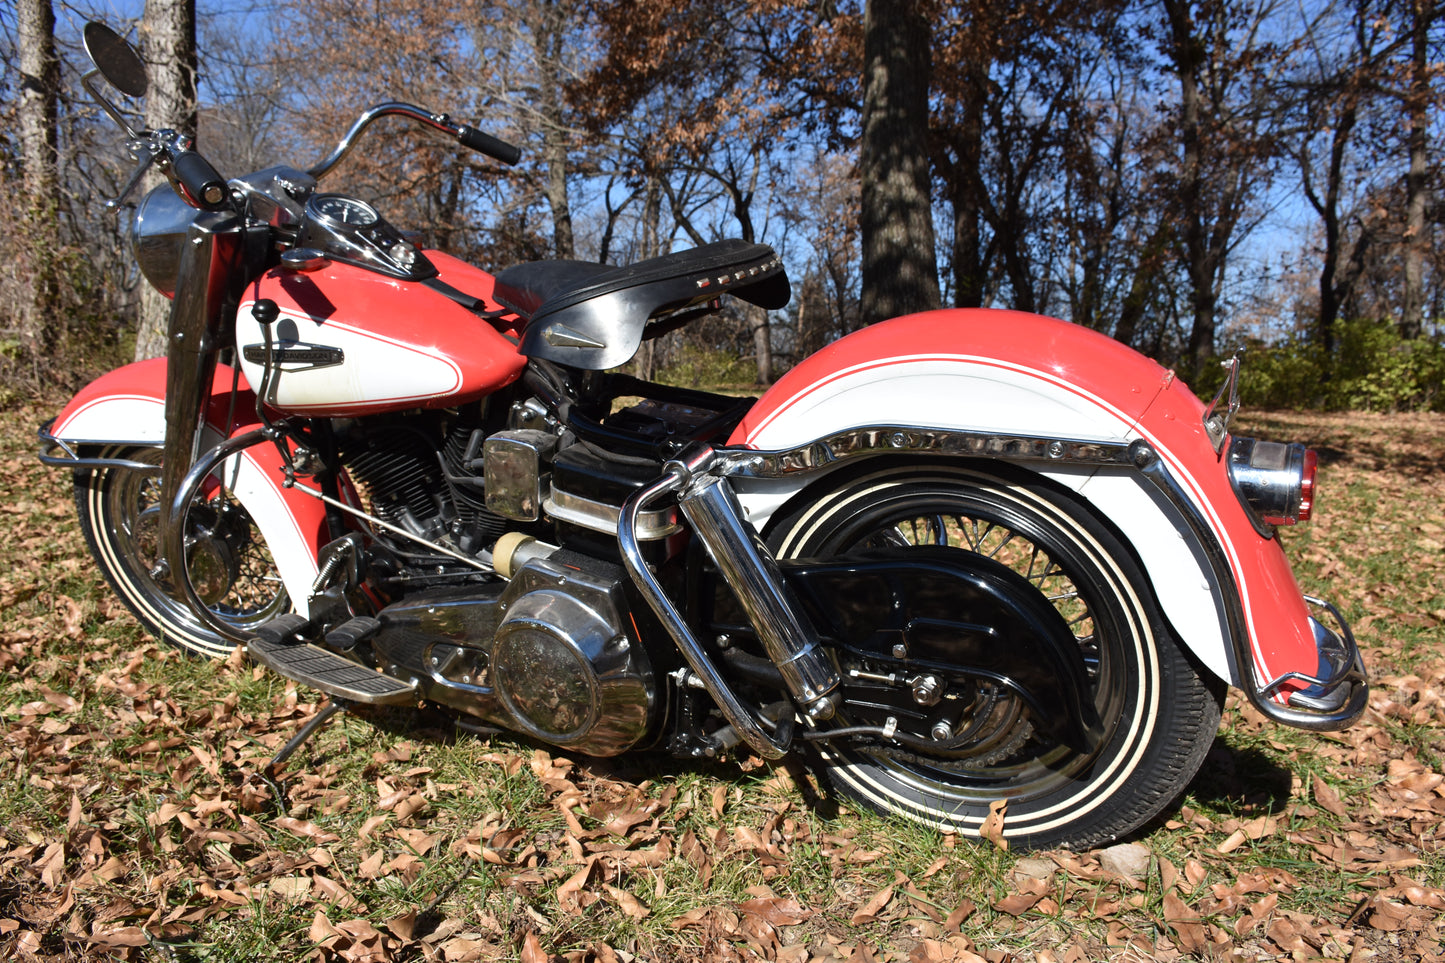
(1158, 713)
(229, 564)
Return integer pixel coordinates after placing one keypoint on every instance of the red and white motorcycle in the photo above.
(955, 558)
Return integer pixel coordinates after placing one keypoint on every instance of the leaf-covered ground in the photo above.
(136, 823)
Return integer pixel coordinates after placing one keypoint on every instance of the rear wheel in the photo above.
(229, 564)
(1158, 713)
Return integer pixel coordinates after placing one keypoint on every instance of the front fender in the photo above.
(127, 407)
(1016, 375)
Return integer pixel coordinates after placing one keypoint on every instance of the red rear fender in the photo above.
(1009, 374)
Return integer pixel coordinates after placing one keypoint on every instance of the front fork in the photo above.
(707, 501)
(211, 274)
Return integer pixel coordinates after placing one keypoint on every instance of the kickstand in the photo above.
(323, 715)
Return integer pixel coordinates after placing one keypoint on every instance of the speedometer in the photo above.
(338, 209)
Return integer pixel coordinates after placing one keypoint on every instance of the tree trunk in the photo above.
(646, 359)
(963, 179)
(1141, 285)
(36, 113)
(1333, 283)
(762, 342)
(1187, 55)
(900, 267)
(1417, 187)
(168, 43)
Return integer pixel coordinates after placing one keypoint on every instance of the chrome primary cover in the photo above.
(563, 665)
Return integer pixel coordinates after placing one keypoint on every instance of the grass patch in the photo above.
(136, 822)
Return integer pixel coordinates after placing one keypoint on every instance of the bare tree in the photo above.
(1226, 144)
(1336, 88)
(1418, 100)
(168, 44)
(39, 83)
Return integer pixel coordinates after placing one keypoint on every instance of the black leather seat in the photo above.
(592, 316)
(524, 287)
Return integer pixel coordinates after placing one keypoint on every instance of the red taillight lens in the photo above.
(1307, 485)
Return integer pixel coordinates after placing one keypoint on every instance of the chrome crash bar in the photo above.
(65, 452)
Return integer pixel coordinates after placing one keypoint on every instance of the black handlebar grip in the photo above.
(489, 145)
(206, 187)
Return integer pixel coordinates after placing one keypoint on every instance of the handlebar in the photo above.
(206, 187)
(467, 136)
(484, 143)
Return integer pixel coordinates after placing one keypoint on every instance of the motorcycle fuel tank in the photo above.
(350, 342)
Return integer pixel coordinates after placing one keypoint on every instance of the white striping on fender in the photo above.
(977, 394)
(131, 418)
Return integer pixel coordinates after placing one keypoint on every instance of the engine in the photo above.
(548, 653)
(532, 637)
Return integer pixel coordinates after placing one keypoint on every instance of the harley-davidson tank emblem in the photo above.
(295, 355)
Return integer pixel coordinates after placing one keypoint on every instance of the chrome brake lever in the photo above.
(146, 152)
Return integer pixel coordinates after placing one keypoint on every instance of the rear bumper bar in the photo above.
(1336, 695)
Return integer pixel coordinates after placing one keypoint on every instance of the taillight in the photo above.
(1275, 482)
(1307, 486)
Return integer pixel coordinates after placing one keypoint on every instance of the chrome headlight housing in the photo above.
(157, 232)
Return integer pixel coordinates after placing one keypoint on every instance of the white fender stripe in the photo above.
(980, 394)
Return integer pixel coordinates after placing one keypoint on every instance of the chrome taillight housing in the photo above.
(1275, 482)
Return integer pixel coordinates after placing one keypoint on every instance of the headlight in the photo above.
(156, 234)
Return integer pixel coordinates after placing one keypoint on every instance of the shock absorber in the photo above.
(752, 573)
(708, 503)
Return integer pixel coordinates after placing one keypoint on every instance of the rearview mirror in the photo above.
(116, 60)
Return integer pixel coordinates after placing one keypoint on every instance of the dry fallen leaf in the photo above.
(629, 904)
(869, 911)
(778, 912)
(959, 916)
(1327, 799)
(992, 828)
(1030, 891)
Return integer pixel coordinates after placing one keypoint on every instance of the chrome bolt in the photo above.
(1056, 449)
(822, 709)
(927, 690)
(942, 732)
(900, 651)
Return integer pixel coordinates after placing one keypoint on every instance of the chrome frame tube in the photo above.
(174, 529)
(744, 720)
